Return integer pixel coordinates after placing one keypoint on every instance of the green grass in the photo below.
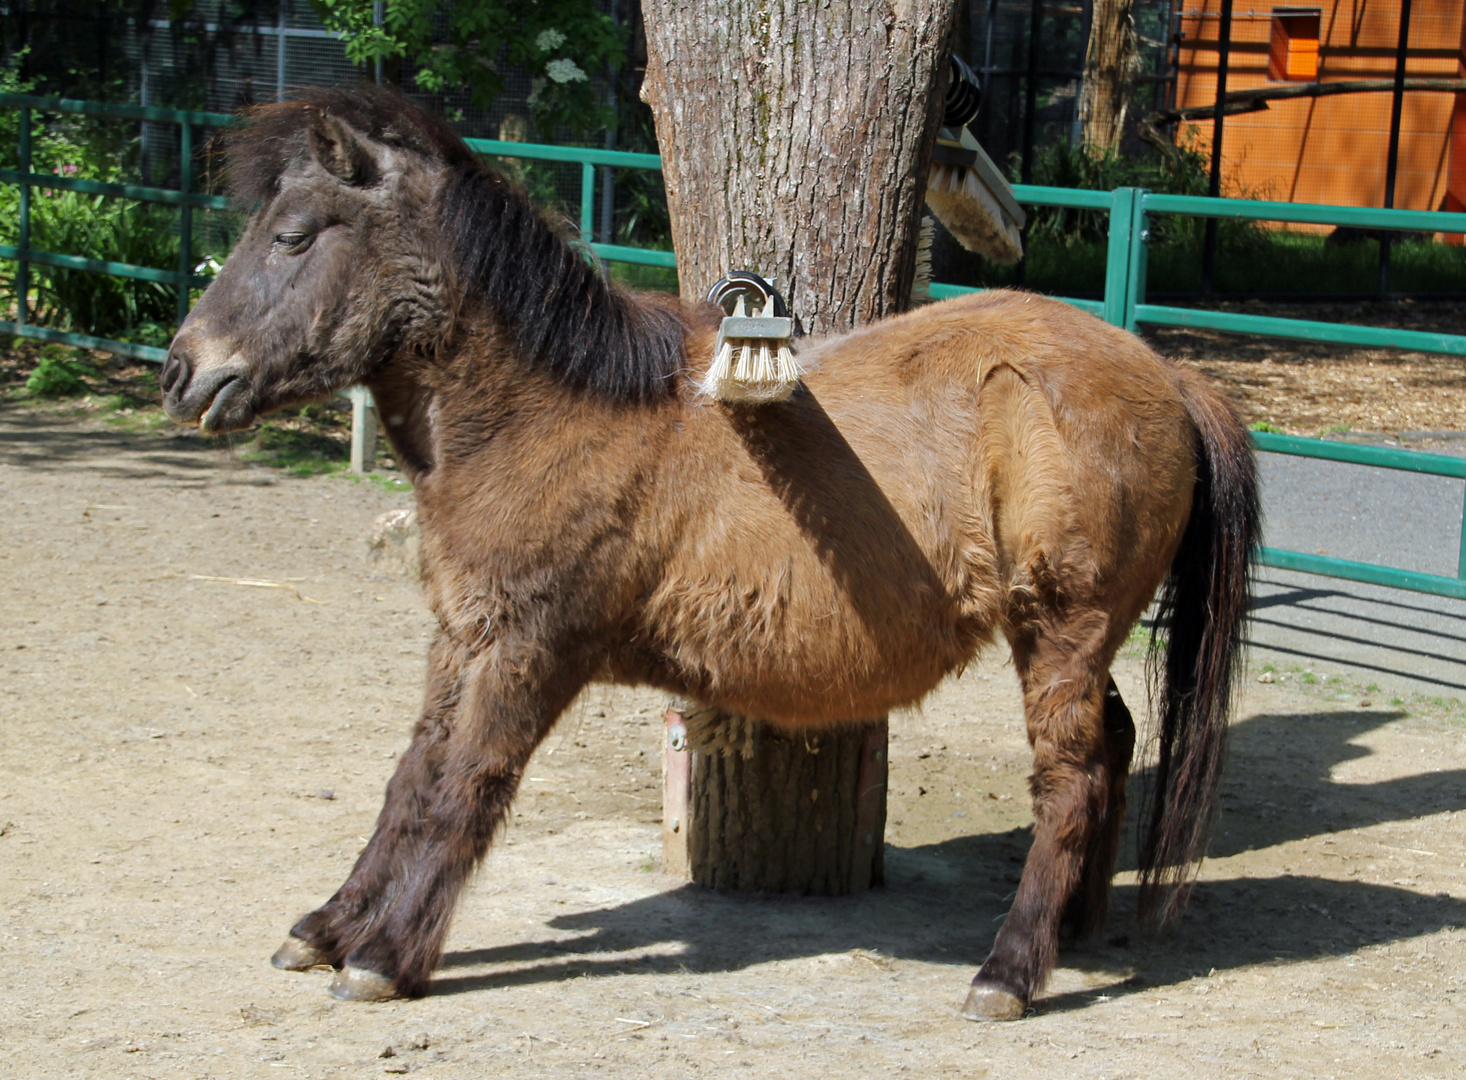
(299, 453)
(386, 483)
(649, 278)
(121, 412)
(1428, 707)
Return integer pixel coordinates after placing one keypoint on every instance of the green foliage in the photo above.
(91, 226)
(1263, 425)
(158, 335)
(100, 227)
(1258, 261)
(642, 218)
(59, 373)
(1185, 172)
(559, 42)
(644, 278)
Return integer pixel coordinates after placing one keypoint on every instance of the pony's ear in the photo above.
(339, 150)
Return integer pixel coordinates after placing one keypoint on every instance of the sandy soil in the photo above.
(190, 759)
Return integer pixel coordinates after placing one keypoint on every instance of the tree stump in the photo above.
(771, 811)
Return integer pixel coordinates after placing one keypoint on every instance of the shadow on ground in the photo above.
(1411, 640)
(942, 903)
(45, 443)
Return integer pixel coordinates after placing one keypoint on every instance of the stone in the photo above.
(396, 543)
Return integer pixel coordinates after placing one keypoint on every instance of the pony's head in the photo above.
(338, 267)
(375, 232)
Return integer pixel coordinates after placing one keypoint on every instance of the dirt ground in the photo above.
(205, 687)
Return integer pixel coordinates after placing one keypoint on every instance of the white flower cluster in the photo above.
(565, 71)
(548, 40)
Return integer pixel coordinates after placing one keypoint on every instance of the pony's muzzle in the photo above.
(218, 397)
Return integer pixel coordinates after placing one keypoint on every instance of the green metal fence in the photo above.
(1124, 303)
(182, 197)
(587, 159)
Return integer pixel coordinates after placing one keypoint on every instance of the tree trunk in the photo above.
(795, 139)
(795, 142)
(1109, 70)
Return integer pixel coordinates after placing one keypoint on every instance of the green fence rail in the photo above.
(1123, 303)
(182, 197)
(1382, 457)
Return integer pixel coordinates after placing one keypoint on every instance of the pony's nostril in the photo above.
(175, 373)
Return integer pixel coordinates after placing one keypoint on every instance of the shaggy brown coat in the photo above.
(998, 464)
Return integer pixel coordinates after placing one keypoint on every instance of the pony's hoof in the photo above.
(359, 984)
(985, 1001)
(298, 955)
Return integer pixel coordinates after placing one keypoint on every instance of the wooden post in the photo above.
(803, 812)
(363, 430)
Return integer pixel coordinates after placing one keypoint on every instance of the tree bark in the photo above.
(795, 141)
(1109, 71)
(803, 813)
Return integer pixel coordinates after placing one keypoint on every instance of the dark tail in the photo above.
(1202, 609)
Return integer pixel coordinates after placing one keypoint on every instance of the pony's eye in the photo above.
(291, 239)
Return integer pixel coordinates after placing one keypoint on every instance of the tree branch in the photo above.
(1256, 100)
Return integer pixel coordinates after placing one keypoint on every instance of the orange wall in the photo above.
(1334, 150)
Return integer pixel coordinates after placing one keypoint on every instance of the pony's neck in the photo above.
(547, 299)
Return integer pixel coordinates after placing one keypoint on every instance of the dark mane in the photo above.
(549, 295)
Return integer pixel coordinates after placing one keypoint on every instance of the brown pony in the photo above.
(1000, 463)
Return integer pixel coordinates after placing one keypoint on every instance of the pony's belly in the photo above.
(826, 672)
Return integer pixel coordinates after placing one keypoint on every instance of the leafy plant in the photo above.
(560, 43)
(1186, 172)
(58, 374)
(93, 226)
(104, 228)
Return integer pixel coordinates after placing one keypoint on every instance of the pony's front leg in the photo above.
(485, 716)
(327, 934)
(1064, 703)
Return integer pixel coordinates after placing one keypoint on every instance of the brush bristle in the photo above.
(752, 371)
(762, 372)
(962, 202)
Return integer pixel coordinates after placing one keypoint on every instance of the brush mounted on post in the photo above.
(752, 362)
(964, 189)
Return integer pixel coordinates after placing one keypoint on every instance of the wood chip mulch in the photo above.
(1308, 388)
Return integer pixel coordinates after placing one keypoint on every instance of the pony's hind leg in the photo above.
(1089, 905)
(1064, 686)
